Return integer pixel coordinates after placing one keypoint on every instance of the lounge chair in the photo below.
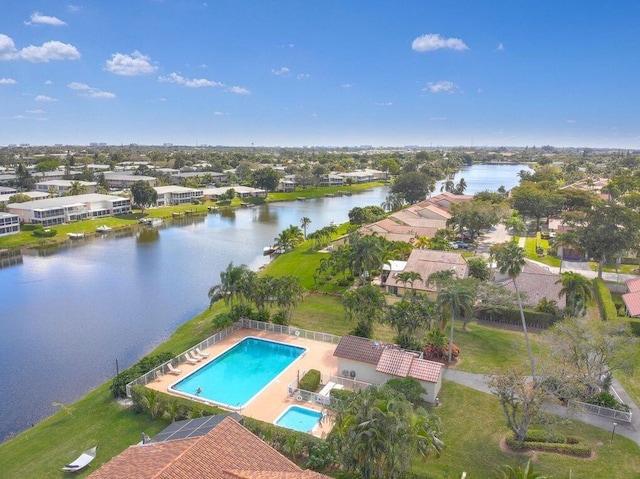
(196, 356)
(189, 359)
(173, 370)
(82, 461)
(201, 353)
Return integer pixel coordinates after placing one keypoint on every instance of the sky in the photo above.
(320, 72)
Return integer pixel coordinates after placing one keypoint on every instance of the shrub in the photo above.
(280, 318)
(606, 399)
(534, 319)
(410, 388)
(146, 364)
(536, 435)
(571, 449)
(44, 233)
(310, 381)
(174, 408)
(634, 324)
(608, 311)
(222, 321)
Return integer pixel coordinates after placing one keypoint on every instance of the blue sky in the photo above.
(320, 72)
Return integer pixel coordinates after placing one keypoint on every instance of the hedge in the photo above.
(608, 311)
(310, 381)
(634, 324)
(571, 449)
(146, 364)
(534, 319)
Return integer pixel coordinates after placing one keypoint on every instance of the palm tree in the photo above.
(524, 472)
(408, 277)
(77, 188)
(393, 202)
(304, 223)
(366, 253)
(231, 287)
(510, 260)
(366, 305)
(577, 290)
(457, 299)
(448, 185)
(460, 187)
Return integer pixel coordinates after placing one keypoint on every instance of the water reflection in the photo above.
(148, 235)
(10, 259)
(228, 213)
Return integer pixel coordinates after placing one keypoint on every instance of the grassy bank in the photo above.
(319, 192)
(473, 422)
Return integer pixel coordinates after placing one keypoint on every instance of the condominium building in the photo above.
(55, 211)
(176, 195)
(9, 224)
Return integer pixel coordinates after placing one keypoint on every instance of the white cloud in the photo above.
(7, 81)
(280, 71)
(7, 47)
(73, 8)
(48, 51)
(218, 113)
(38, 18)
(438, 118)
(48, 82)
(35, 112)
(500, 47)
(89, 91)
(346, 85)
(570, 121)
(189, 82)
(433, 41)
(45, 99)
(239, 90)
(442, 86)
(302, 76)
(130, 65)
(384, 103)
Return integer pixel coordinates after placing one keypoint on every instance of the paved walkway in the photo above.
(479, 382)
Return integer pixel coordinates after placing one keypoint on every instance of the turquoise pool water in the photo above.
(299, 418)
(237, 375)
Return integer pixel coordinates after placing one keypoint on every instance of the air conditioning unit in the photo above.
(352, 374)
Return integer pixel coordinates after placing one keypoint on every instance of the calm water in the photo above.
(67, 314)
(223, 382)
(299, 418)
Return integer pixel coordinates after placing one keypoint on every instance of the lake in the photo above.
(67, 314)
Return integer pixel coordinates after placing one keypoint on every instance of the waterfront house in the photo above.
(55, 211)
(376, 362)
(209, 177)
(241, 192)
(177, 195)
(9, 224)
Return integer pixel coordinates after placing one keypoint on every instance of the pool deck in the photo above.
(273, 399)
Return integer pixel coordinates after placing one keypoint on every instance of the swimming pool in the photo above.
(299, 418)
(236, 376)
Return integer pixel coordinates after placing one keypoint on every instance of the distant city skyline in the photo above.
(298, 73)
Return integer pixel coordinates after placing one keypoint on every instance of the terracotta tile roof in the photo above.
(388, 358)
(427, 262)
(632, 302)
(224, 451)
(633, 285)
(308, 474)
(395, 362)
(425, 370)
(537, 286)
(361, 349)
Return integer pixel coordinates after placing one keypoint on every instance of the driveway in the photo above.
(498, 234)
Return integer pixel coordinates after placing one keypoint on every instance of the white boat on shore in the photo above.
(151, 221)
(75, 235)
(103, 229)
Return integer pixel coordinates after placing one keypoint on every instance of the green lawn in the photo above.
(320, 191)
(530, 252)
(474, 424)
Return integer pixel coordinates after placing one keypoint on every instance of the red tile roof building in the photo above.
(226, 452)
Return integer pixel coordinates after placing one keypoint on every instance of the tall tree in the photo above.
(366, 305)
(144, 194)
(266, 178)
(510, 260)
(410, 316)
(377, 433)
(455, 300)
(577, 291)
(232, 286)
(414, 186)
(304, 223)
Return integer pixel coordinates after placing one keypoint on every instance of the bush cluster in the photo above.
(167, 406)
(606, 399)
(572, 448)
(146, 364)
(608, 311)
(534, 319)
(634, 324)
(44, 233)
(310, 381)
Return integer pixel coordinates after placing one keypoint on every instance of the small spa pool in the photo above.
(299, 418)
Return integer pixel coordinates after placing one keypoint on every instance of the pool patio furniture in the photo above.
(81, 461)
(173, 370)
(192, 359)
(201, 353)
